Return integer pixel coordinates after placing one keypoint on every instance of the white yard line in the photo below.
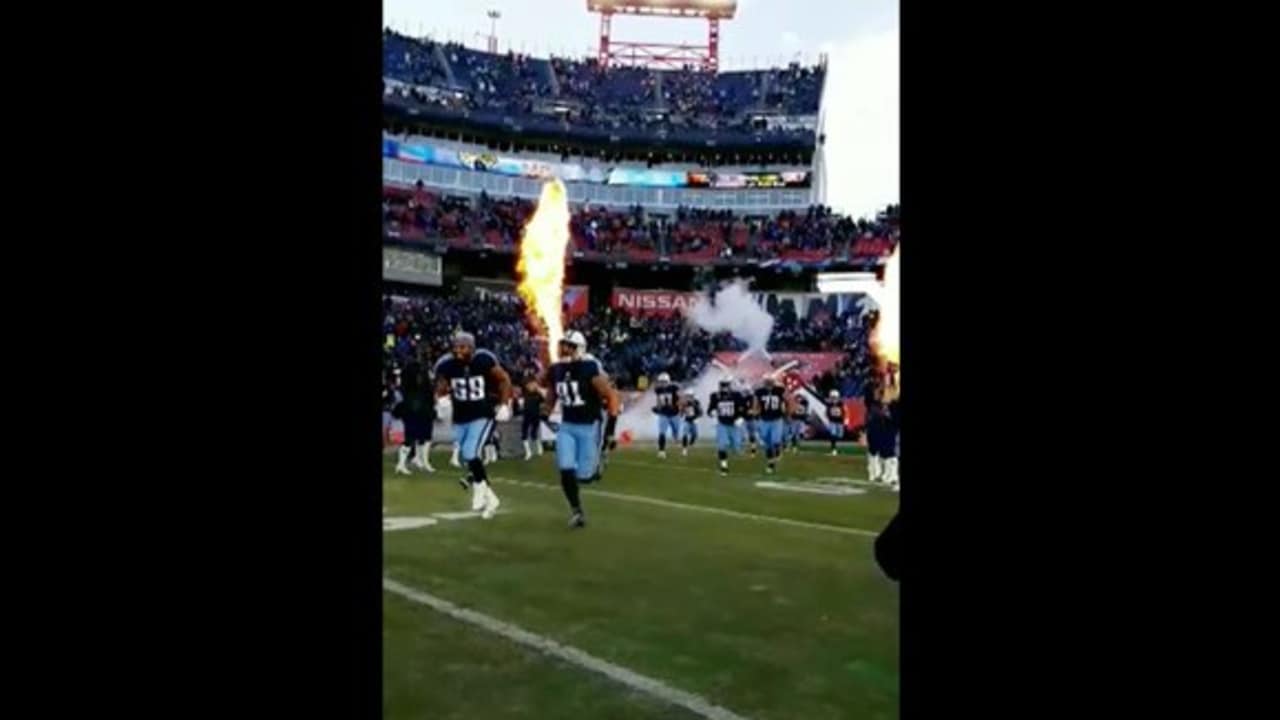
(697, 508)
(572, 655)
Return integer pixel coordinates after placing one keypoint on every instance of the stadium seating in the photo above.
(687, 103)
(689, 235)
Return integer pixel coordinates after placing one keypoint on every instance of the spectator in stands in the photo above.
(816, 234)
(600, 97)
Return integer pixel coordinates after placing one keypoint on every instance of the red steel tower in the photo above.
(663, 56)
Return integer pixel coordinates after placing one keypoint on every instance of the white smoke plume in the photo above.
(735, 311)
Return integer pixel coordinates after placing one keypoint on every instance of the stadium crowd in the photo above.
(591, 95)
(700, 233)
(631, 347)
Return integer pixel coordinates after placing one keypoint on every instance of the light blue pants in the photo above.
(471, 436)
(578, 448)
(728, 437)
(669, 426)
(771, 432)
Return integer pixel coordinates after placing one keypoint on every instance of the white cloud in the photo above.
(861, 109)
(790, 40)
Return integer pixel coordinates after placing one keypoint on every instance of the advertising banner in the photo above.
(653, 302)
(575, 301)
(409, 266)
(749, 181)
(428, 154)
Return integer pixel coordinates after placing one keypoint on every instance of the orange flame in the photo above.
(885, 343)
(541, 264)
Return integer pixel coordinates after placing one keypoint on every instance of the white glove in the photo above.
(504, 413)
(739, 422)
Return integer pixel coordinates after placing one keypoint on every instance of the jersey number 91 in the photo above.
(569, 393)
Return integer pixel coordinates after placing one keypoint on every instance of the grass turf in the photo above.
(768, 620)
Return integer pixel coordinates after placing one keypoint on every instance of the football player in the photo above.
(417, 411)
(799, 413)
(692, 410)
(882, 440)
(753, 419)
(729, 408)
(835, 419)
(531, 419)
(770, 404)
(578, 382)
(666, 405)
(479, 389)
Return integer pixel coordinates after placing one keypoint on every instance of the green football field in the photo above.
(762, 602)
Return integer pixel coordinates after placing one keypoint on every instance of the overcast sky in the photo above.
(860, 36)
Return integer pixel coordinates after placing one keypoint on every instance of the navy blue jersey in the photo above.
(692, 409)
(531, 403)
(728, 406)
(472, 390)
(801, 409)
(773, 402)
(666, 399)
(579, 401)
(835, 412)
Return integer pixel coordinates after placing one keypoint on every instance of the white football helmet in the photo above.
(833, 395)
(664, 378)
(577, 340)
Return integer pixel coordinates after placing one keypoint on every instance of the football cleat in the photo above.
(491, 503)
(479, 498)
(662, 454)
(577, 520)
(402, 470)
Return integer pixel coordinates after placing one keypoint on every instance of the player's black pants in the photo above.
(529, 428)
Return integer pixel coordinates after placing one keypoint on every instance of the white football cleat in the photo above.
(402, 470)
(835, 453)
(454, 460)
(662, 454)
(479, 498)
(684, 452)
(491, 503)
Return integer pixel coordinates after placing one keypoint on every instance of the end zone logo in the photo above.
(652, 302)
